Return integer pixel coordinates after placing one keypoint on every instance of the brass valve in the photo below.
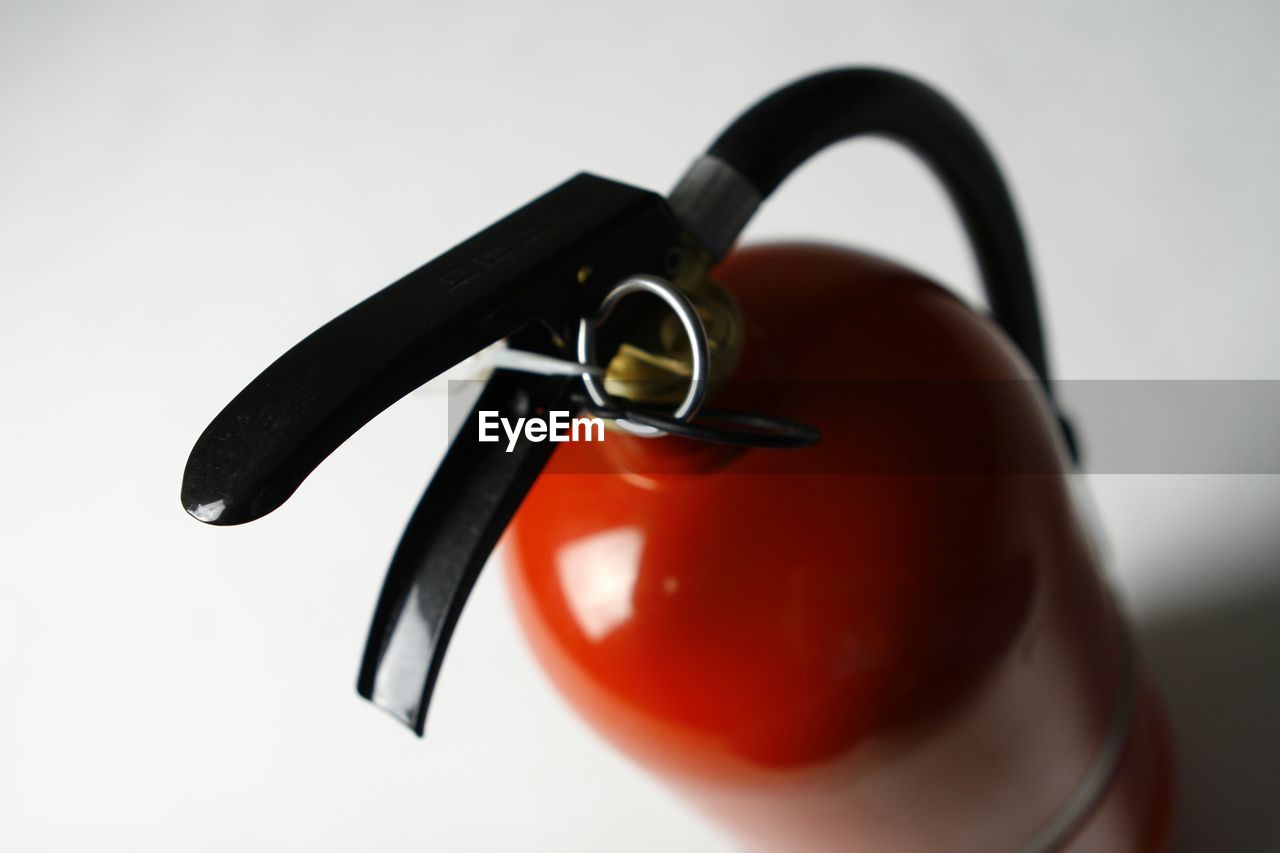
(654, 364)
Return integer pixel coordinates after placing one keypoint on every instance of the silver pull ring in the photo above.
(693, 327)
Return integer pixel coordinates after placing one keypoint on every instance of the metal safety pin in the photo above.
(524, 361)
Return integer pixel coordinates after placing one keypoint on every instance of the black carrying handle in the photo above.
(466, 507)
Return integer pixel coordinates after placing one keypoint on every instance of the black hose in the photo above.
(772, 139)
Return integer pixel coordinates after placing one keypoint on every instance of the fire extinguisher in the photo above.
(825, 570)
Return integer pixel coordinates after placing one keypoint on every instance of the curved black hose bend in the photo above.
(722, 190)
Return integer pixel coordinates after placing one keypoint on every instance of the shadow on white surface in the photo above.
(1218, 662)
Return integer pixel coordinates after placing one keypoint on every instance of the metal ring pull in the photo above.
(693, 328)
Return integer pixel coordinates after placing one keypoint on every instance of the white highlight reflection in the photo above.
(209, 512)
(599, 574)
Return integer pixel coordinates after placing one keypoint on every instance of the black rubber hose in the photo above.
(772, 139)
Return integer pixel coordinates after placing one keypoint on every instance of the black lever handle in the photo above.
(527, 267)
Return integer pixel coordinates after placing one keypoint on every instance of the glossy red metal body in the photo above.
(854, 661)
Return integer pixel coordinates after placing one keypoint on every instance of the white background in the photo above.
(186, 191)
